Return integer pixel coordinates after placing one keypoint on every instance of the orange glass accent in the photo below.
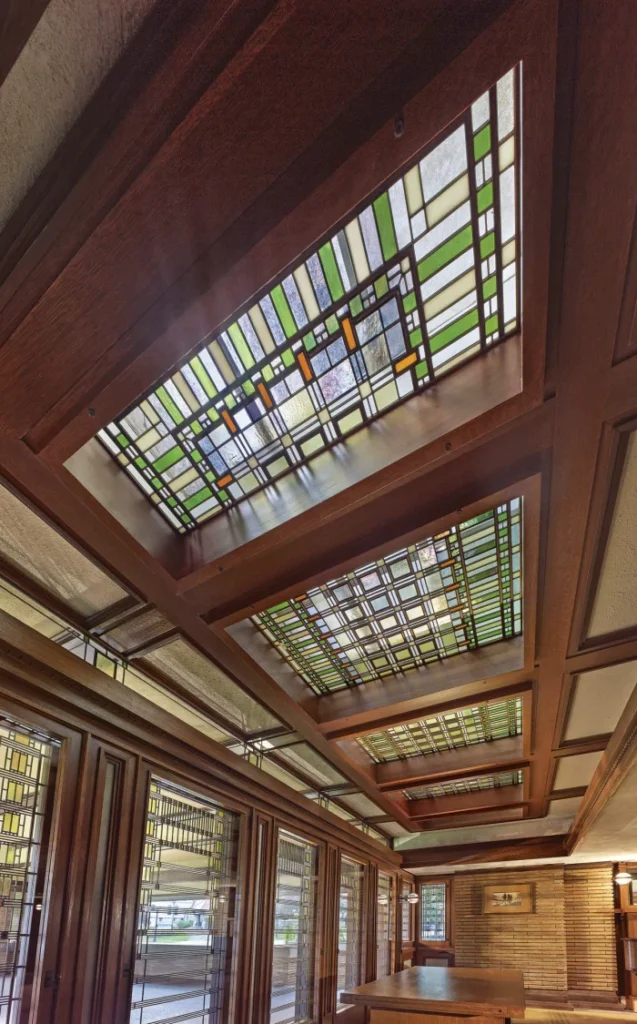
(404, 363)
(224, 481)
(349, 334)
(263, 391)
(307, 373)
(229, 421)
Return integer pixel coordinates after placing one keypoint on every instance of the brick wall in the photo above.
(568, 943)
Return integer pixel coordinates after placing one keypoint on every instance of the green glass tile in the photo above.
(285, 313)
(171, 501)
(230, 401)
(202, 377)
(409, 302)
(168, 404)
(168, 459)
(485, 197)
(454, 330)
(482, 142)
(356, 305)
(196, 427)
(210, 476)
(415, 338)
(140, 462)
(491, 324)
(332, 324)
(123, 441)
(445, 253)
(223, 495)
(196, 456)
(198, 498)
(249, 388)
(332, 276)
(268, 373)
(490, 287)
(421, 369)
(241, 346)
(309, 342)
(288, 357)
(156, 482)
(385, 223)
(381, 286)
(487, 245)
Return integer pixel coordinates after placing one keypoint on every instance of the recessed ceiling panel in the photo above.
(576, 770)
(598, 699)
(460, 728)
(39, 552)
(567, 808)
(453, 788)
(442, 596)
(421, 279)
(185, 665)
(615, 603)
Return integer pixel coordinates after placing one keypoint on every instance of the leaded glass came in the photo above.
(441, 596)
(421, 279)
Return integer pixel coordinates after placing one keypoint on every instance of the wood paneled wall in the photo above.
(566, 946)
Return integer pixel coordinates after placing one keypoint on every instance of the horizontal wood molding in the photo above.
(462, 762)
(484, 800)
(476, 853)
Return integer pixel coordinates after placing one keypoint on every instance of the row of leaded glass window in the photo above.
(449, 731)
(480, 782)
(420, 280)
(441, 596)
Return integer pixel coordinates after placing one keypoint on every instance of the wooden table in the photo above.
(442, 995)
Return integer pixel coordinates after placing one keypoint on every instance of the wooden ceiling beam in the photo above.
(499, 798)
(462, 762)
(479, 853)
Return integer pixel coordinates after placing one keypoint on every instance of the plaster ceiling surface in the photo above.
(615, 605)
(613, 835)
(576, 770)
(599, 697)
(74, 45)
(529, 828)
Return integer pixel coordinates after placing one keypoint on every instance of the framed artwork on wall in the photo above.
(497, 899)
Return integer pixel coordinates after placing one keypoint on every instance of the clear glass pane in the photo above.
(433, 912)
(294, 938)
(350, 926)
(384, 926)
(186, 926)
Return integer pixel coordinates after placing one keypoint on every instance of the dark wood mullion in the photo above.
(473, 199)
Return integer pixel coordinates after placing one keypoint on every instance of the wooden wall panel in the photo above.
(590, 928)
(532, 943)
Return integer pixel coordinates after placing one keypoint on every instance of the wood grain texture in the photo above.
(460, 990)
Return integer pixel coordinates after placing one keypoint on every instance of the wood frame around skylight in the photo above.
(456, 678)
(480, 396)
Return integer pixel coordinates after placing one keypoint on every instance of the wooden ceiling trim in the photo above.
(342, 732)
(476, 853)
(459, 763)
(592, 292)
(498, 798)
(189, 310)
(626, 341)
(499, 815)
(167, 222)
(19, 19)
(173, 57)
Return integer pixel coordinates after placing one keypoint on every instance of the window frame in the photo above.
(363, 924)
(447, 942)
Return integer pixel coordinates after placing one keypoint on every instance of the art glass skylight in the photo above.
(441, 596)
(493, 781)
(477, 724)
(421, 279)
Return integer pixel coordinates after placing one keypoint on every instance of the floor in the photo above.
(534, 1016)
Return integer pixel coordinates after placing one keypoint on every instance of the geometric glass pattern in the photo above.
(513, 778)
(186, 919)
(454, 729)
(433, 912)
(441, 596)
(418, 281)
(292, 997)
(25, 764)
(349, 968)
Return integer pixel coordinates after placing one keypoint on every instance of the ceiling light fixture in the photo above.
(623, 878)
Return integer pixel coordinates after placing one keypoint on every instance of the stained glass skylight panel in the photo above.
(422, 278)
(474, 785)
(460, 728)
(441, 596)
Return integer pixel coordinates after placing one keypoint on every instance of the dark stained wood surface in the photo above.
(464, 990)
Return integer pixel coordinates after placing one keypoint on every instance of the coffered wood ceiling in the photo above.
(227, 140)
